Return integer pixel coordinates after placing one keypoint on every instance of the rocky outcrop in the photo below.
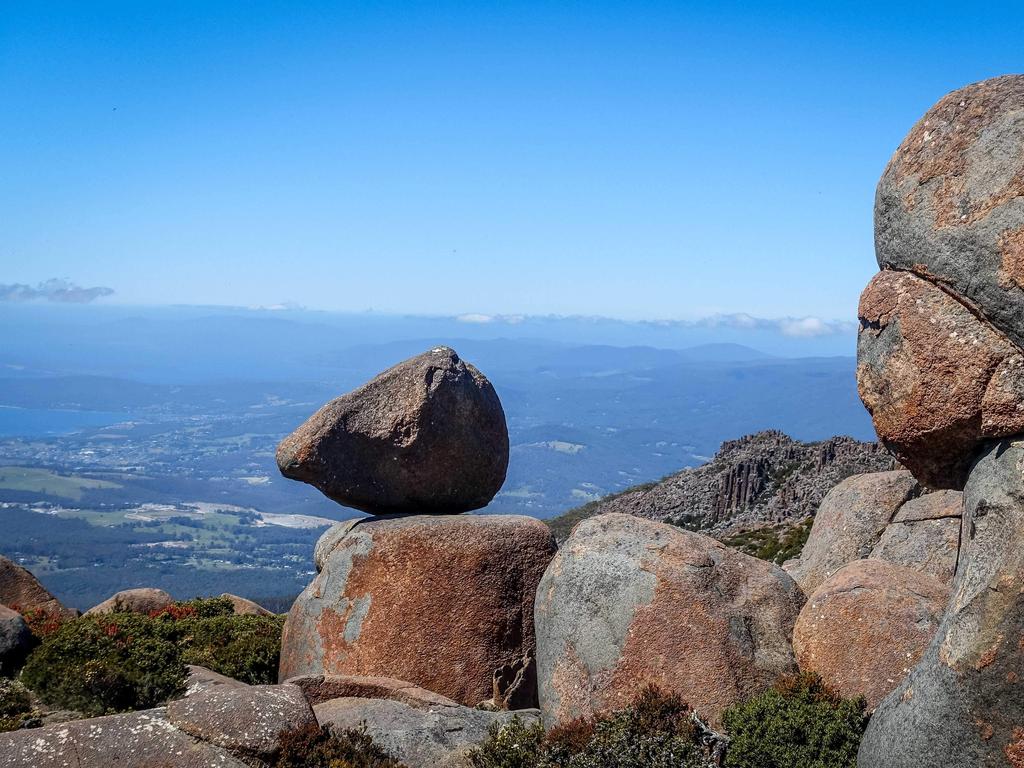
(440, 601)
(850, 522)
(962, 705)
(15, 640)
(135, 740)
(940, 363)
(866, 627)
(627, 602)
(245, 720)
(426, 436)
(22, 592)
(763, 478)
(142, 600)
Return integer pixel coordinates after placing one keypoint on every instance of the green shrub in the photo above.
(777, 543)
(15, 705)
(316, 747)
(124, 661)
(101, 664)
(799, 722)
(654, 731)
(247, 648)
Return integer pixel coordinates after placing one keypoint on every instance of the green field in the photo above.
(49, 483)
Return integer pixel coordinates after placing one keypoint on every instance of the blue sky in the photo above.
(632, 160)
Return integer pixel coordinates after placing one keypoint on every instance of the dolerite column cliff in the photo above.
(417, 592)
(941, 369)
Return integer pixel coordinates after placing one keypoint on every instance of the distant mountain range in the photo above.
(764, 478)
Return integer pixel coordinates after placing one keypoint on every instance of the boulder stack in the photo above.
(419, 593)
(941, 369)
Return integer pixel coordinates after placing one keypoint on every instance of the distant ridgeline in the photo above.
(764, 478)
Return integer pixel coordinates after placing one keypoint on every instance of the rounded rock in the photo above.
(866, 627)
(628, 601)
(426, 436)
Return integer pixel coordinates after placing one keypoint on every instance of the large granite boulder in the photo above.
(142, 600)
(134, 740)
(849, 522)
(420, 737)
(426, 436)
(22, 592)
(866, 627)
(950, 205)
(963, 705)
(937, 381)
(440, 601)
(628, 601)
(246, 720)
(245, 607)
(15, 640)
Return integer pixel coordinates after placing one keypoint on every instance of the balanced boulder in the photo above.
(627, 602)
(866, 627)
(426, 436)
(141, 600)
(22, 592)
(440, 601)
(849, 522)
(963, 704)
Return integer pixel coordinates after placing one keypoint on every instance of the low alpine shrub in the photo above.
(15, 705)
(798, 722)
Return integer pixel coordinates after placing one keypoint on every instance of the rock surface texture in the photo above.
(246, 720)
(427, 436)
(142, 600)
(22, 592)
(440, 601)
(629, 601)
(419, 737)
(135, 740)
(963, 704)
(850, 521)
(866, 627)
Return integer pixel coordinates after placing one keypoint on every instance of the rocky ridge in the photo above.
(767, 477)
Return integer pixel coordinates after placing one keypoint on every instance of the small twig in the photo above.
(715, 742)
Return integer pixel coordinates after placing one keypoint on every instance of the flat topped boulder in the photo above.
(426, 436)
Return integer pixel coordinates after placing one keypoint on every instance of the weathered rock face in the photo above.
(937, 381)
(245, 720)
(22, 592)
(628, 602)
(866, 627)
(135, 740)
(925, 535)
(427, 436)
(963, 704)
(15, 639)
(419, 737)
(440, 601)
(849, 523)
(142, 600)
(950, 205)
